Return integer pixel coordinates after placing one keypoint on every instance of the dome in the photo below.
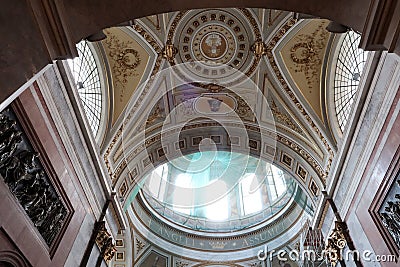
(217, 190)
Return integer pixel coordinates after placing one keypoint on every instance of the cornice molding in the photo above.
(50, 17)
(382, 26)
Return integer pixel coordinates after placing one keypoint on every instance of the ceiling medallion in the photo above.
(216, 44)
(213, 45)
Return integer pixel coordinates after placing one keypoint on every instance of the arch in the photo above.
(142, 161)
(111, 13)
(42, 33)
(342, 85)
(12, 259)
(89, 84)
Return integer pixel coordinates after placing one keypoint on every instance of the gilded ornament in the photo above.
(169, 52)
(283, 118)
(139, 246)
(306, 54)
(259, 48)
(288, 91)
(105, 242)
(336, 243)
(126, 59)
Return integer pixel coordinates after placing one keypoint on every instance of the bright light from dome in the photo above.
(218, 210)
(218, 186)
(251, 196)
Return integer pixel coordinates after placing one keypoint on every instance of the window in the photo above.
(87, 81)
(348, 71)
(276, 182)
(183, 194)
(251, 194)
(218, 187)
(218, 210)
(157, 181)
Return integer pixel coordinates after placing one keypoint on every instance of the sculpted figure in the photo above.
(391, 226)
(27, 164)
(26, 181)
(32, 196)
(9, 144)
(6, 129)
(9, 166)
(394, 210)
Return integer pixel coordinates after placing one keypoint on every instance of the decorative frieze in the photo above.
(390, 213)
(232, 242)
(27, 180)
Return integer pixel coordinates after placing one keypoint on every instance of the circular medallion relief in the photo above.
(213, 45)
(216, 43)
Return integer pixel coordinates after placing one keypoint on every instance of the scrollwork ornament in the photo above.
(129, 58)
(126, 58)
(336, 243)
(182, 264)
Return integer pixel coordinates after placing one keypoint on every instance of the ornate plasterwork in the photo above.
(229, 242)
(129, 59)
(270, 46)
(186, 101)
(116, 172)
(303, 163)
(304, 154)
(149, 39)
(180, 263)
(301, 56)
(336, 243)
(119, 170)
(105, 242)
(306, 54)
(243, 109)
(126, 59)
(283, 118)
(259, 48)
(150, 81)
(303, 137)
(169, 52)
(157, 114)
(215, 42)
(139, 246)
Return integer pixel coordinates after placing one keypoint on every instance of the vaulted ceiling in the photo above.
(266, 68)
